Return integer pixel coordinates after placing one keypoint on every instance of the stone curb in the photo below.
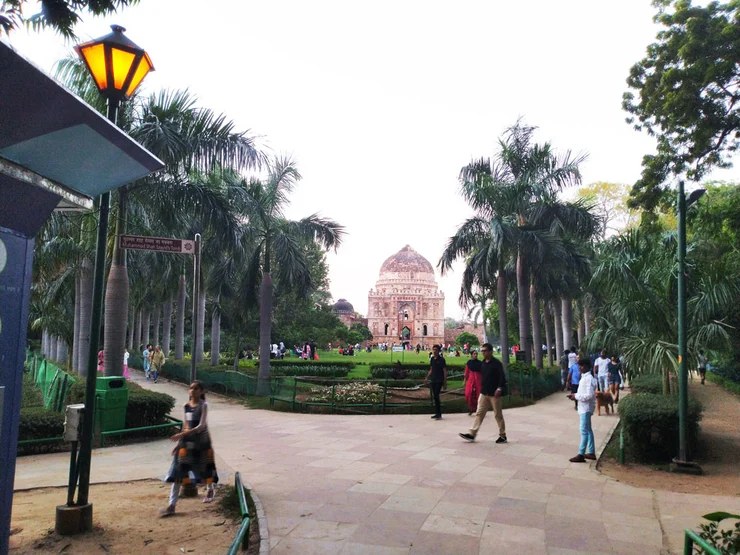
(261, 520)
(602, 446)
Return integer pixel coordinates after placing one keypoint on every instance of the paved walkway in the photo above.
(401, 484)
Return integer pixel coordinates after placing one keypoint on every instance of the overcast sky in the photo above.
(381, 103)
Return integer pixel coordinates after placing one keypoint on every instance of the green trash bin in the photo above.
(112, 398)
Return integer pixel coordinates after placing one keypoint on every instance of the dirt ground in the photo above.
(126, 520)
(718, 456)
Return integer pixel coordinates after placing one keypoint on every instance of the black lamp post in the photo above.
(118, 67)
(682, 463)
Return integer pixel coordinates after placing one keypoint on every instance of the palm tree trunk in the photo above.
(580, 327)
(237, 345)
(59, 350)
(201, 324)
(167, 326)
(586, 318)
(43, 342)
(567, 318)
(503, 322)
(131, 327)
(138, 346)
(155, 325)
(486, 339)
(557, 311)
(76, 327)
(522, 286)
(146, 320)
(180, 320)
(534, 303)
(263, 383)
(548, 330)
(116, 297)
(85, 316)
(53, 348)
(216, 333)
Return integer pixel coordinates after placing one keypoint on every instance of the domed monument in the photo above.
(406, 306)
(345, 312)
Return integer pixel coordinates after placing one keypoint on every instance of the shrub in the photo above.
(348, 394)
(728, 372)
(389, 366)
(30, 396)
(651, 423)
(39, 423)
(147, 408)
(519, 366)
(413, 372)
(308, 363)
(725, 540)
(647, 383)
(729, 385)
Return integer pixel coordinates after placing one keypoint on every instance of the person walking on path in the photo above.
(586, 399)
(471, 381)
(437, 379)
(702, 366)
(615, 377)
(158, 361)
(601, 365)
(194, 461)
(145, 361)
(125, 364)
(493, 383)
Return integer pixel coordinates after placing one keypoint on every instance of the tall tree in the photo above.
(685, 92)
(278, 242)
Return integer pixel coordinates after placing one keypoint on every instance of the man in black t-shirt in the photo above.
(493, 385)
(437, 378)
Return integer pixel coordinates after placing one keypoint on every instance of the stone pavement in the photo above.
(405, 484)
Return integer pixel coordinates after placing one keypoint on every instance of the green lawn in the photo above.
(375, 357)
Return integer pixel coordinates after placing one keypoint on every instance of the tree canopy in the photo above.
(685, 92)
(59, 15)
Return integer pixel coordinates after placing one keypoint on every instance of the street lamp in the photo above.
(118, 67)
(682, 463)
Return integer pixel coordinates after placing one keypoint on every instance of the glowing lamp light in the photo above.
(117, 65)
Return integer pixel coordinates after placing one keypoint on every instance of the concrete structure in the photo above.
(406, 306)
(452, 333)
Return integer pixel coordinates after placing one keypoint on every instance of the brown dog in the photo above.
(604, 400)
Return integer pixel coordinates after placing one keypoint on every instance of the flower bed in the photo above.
(357, 393)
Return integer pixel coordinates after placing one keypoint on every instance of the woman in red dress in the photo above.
(472, 381)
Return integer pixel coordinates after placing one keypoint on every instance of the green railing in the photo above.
(691, 538)
(53, 382)
(173, 423)
(242, 536)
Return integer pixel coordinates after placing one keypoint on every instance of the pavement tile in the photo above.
(551, 460)
(496, 535)
(458, 464)
(521, 450)
(627, 548)
(312, 529)
(409, 505)
(463, 493)
(461, 510)
(576, 507)
(453, 525)
(304, 546)
(388, 478)
(329, 463)
(389, 528)
(375, 487)
(522, 505)
(356, 470)
(343, 513)
(622, 533)
(351, 548)
(434, 454)
(560, 531)
(488, 476)
(426, 543)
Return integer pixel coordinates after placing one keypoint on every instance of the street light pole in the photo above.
(682, 463)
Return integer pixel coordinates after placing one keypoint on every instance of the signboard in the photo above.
(398, 349)
(157, 244)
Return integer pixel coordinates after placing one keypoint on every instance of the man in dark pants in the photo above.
(437, 378)
(493, 385)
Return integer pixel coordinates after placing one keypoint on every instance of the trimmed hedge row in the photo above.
(650, 423)
(647, 383)
(309, 363)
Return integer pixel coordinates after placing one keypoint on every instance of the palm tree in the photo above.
(278, 241)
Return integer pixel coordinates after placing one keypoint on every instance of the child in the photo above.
(125, 364)
(194, 459)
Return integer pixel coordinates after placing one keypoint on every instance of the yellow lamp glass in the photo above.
(122, 61)
(94, 56)
(145, 66)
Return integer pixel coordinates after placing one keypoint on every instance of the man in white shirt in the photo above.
(586, 398)
(601, 367)
(572, 357)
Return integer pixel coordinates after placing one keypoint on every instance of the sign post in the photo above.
(173, 246)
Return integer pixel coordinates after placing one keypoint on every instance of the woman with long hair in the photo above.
(194, 461)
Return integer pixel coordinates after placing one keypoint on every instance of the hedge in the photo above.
(413, 372)
(39, 423)
(308, 363)
(651, 424)
(647, 383)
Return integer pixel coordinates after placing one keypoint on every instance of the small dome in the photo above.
(406, 260)
(343, 306)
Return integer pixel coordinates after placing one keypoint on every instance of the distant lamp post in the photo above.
(118, 67)
(682, 463)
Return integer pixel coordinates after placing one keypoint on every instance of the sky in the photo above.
(382, 103)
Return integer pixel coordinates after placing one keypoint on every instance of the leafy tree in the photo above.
(363, 330)
(59, 15)
(354, 337)
(609, 202)
(686, 93)
(467, 337)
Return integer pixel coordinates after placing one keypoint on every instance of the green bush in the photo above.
(30, 396)
(651, 423)
(389, 366)
(647, 383)
(147, 408)
(324, 371)
(38, 422)
(729, 385)
(523, 367)
(308, 363)
(414, 372)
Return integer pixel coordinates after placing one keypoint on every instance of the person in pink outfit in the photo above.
(125, 364)
(471, 382)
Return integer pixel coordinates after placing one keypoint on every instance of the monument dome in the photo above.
(343, 306)
(406, 306)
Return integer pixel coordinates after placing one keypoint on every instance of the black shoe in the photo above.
(501, 439)
(590, 456)
(467, 437)
(578, 459)
(437, 417)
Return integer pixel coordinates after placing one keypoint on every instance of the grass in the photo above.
(375, 357)
(728, 385)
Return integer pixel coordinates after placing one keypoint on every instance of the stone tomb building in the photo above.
(406, 306)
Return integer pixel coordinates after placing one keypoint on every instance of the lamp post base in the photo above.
(73, 520)
(686, 467)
